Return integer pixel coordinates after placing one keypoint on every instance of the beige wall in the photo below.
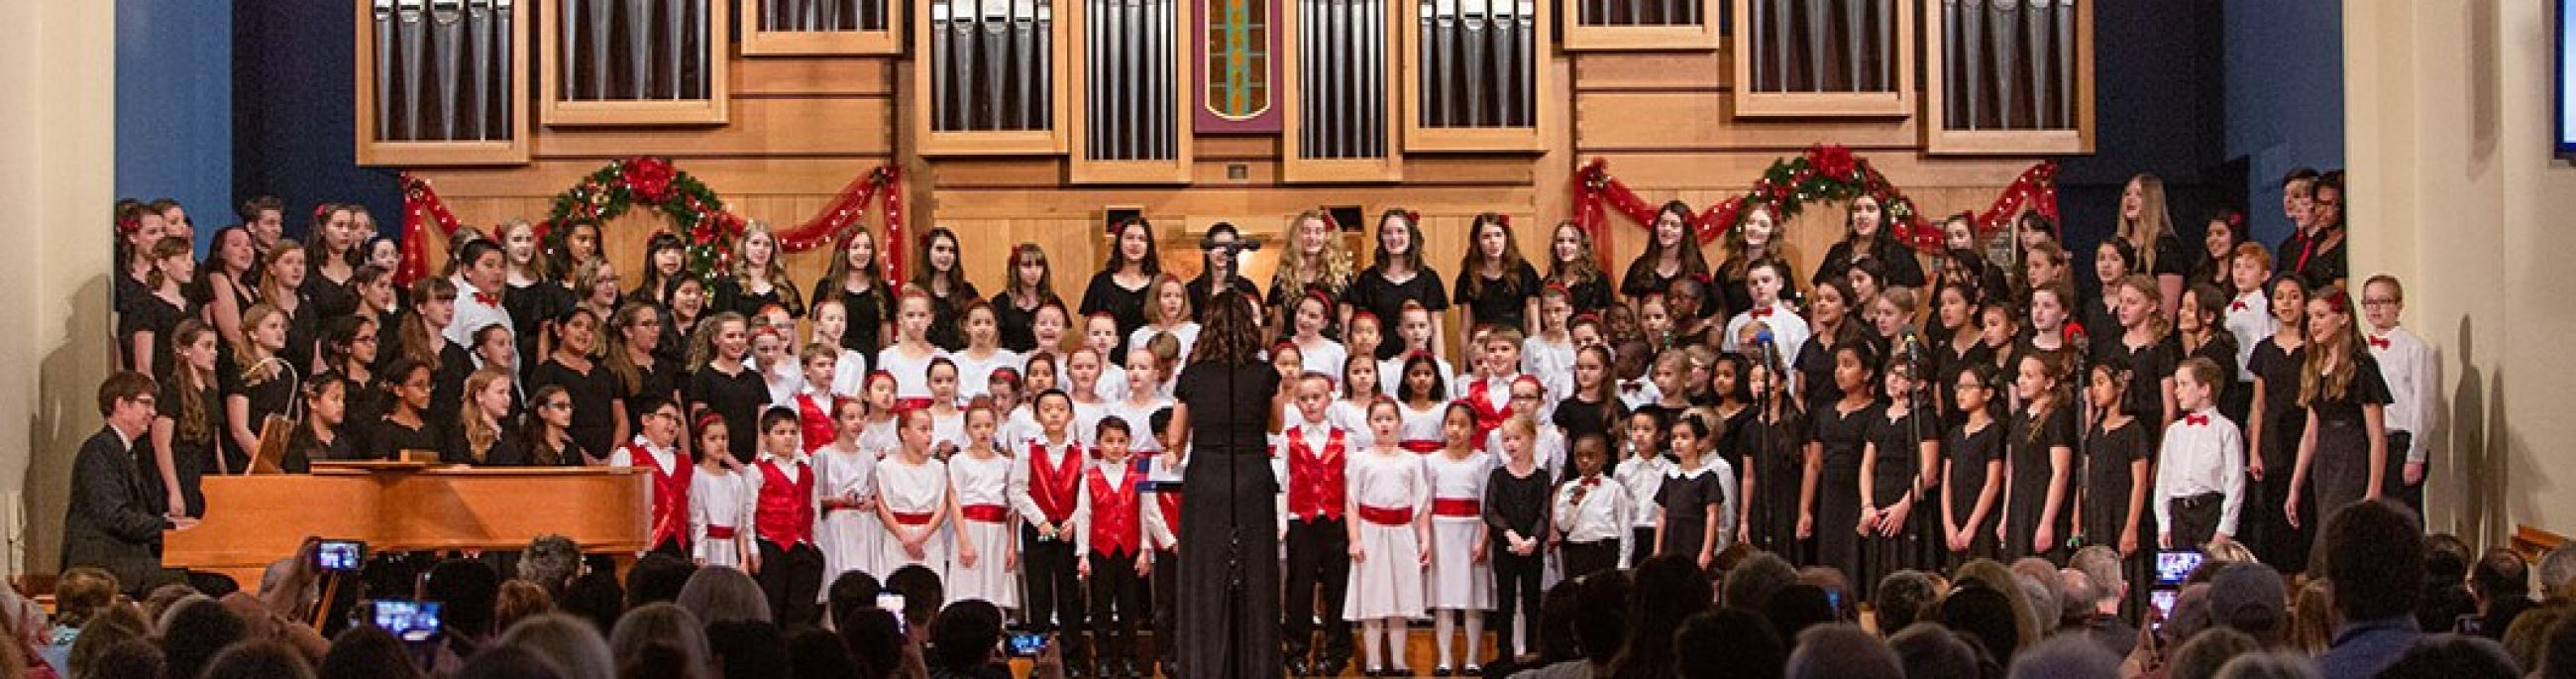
(57, 66)
(2454, 190)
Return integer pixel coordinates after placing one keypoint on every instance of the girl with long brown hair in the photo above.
(1399, 275)
(184, 432)
(942, 276)
(1031, 287)
(1496, 286)
(2345, 447)
(1672, 254)
(144, 329)
(1120, 287)
(2146, 222)
(856, 280)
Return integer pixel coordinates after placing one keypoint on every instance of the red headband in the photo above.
(706, 419)
(1556, 287)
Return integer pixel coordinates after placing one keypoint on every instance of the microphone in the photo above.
(1913, 343)
(1770, 351)
(1240, 244)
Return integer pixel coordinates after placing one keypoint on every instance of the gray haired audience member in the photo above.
(2452, 656)
(568, 641)
(552, 561)
(2092, 610)
(2203, 655)
(1931, 651)
(2558, 573)
(2066, 657)
(2271, 665)
(1842, 651)
(2250, 597)
(1903, 596)
(259, 659)
(1752, 582)
(663, 623)
(2041, 595)
(721, 593)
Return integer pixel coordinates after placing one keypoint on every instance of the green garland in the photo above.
(697, 215)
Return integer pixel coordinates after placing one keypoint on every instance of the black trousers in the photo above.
(2195, 519)
(1165, 602)
(1516, 586)
(791, 577)
(1319, 568)
(1054, 601)
(1117, 605)
(1641, 541)
(1586, 558)
(2411, 495)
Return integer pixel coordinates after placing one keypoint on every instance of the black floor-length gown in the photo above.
(1229, 524)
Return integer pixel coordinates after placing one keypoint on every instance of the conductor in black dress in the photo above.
(1229, 603)
(113, 522)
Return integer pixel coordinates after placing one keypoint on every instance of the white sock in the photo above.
(1369, 642)
(1475, 636)
(1444, 624)
(1397, 631)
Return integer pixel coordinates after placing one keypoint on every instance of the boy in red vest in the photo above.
(1045, 489)
(658, 448)
(1112, 523)
(783, 508)
(1319, 544)
(1164, 536)
(1490, 392)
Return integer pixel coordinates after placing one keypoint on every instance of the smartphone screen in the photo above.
(410, 621)
(2172, 567)
(893, 602)
(2163, 600)
(339, 555)
(1027, 644)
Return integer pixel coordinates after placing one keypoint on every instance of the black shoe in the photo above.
(1441, 671)
(1299, 667)
(1473, 670)
(1334, 667)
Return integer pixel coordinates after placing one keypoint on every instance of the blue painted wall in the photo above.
(2284, 97)
(2158, 108)
(174, 104)
(293, 111)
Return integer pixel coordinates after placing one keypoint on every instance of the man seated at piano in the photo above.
(113, 521)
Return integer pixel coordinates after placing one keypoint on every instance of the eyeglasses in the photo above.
(558, 405)
(2378, 301)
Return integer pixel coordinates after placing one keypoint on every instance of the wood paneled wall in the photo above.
(803, 127)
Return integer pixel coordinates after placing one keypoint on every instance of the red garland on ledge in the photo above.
(696, 214)
(1825, 172)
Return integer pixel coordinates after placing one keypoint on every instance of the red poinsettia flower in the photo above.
(1833, 160)
(649, 177)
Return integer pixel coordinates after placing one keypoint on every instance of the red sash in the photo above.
(1315, 478)
(905, 405)
(817, 418)
(1054, 487)
(1421, 445)
(1171, 504)
(913, 518)
(784, 512)
(670, 494)
(1386, 516)
(1114, 529)
(984, 513)
(1457, 506)
(715, 532)
(1488, 416)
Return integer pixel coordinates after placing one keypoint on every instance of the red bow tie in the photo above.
(1590, 481)
(2195, 420)
(2379, 343)
(486, 299)
(2239, 305)
(1764, 312)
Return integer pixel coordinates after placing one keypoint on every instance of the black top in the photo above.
(2107, 454)
(1642, 279)
(1732, 445)
(273, 395)
(1517, 503)
(1815, 367)
(111, 520)
(1229, 405)
(392, 438)
(303, 333)
(2283, 420)
(947, 315)
(2148, 367)
(1373, 293)
(2367, 388)
(150, 313)
(303, 448)
(2171, 256)
(1201, 289)
(2327, 263)
(1968, 455)
(1578, 416)
(1017, 326)
(1948, 362)
(2028, 449)
(868, 311)
(1687, 499)
(738, 398)
(1501, 302)
(2102, 329)
(531, 308)
(198, 446)
(732, 295)
(1900, 442)
(1735, 286)
(1590, 296)
(127, 290)
(329, 300)
(507, 449)
(1843, 434)
(1127, 306)
(1897, 266)
(661, 379)
(594, 398)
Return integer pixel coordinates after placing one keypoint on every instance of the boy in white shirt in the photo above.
(2413, 374)
(2200, 475)
(1592, 513)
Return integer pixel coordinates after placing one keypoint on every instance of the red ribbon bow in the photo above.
(2238, 305)
(2378, 342)
(1760, 312)
(486, 299)
(1590, 481)
(2195, 420)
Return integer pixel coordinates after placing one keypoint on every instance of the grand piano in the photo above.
(408, 506)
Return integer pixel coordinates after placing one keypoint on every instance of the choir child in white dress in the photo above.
(1100, 335)
(947, 421)
(912, 500)
(1414, 328)
(1321, 355)
(909, 359)
(1110, 520)
(1020, 423)
(1084, 372)
(1144, 371)
(1045, 487)
(1459, 585)
(781, 486)
(1422, 399)
(1549, 353)
(718, 503)
(1168, 312)
(1359, 392)
(878, 434)
(1363, 336)
(1390, 543)
(1641, 473)
(979, 482)
(983, 353)
(1547, 441)
(831, 320)
(1593, 516)
(845, 478)
(657, 449)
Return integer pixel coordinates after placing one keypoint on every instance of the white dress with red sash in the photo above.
(719, 511)
(982, 487)
(1389, 491)
(848, 537)
(913, 493)
(1456, 504)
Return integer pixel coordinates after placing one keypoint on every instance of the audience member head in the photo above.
(1837, 587)
(1728, 642)
(81, 594)
(663, 623)
(2312, 618)
(157, 603)
(2101, 567)
(2557, 656)
(2374, 560)
(1986, 615)
(1995, 576)
(258, 659)
(816, 652)
(2190, 613)
(519, 600)
(465, 590)
(1666, 590)
(368, 652)
(720, 593)
(552, 561)
(568, 641)
(923, 595)
(1797, 607)
(855, 590)
(1903, 596)
(2203, 655)
(2453, 656)
(1750, 584)
(1601, 624)
(2041, 591)
(194, 631)
(1842, 651)
(965, 636)
(2271, 665)
(130, 658)
(510, 662)
(1556, 623)
(110, 625)
(2083, 601)
(2558, 572)
(657, 577)
(2069, 656)
(2249, 597)
(747, 648)
(1930, 651)
(2498, 575)
(596, 597)
(875, 641)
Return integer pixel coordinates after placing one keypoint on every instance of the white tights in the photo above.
(1393, 631)
(1444, 623)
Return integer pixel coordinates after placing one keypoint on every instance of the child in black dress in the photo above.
(1775, 463)
(1899, 466)
(2113, 511)
(1973, 455)
(1693, 498)
(1831, 502)
(2039, 460)
(2345, 448)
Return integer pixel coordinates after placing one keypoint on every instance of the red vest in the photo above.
(1316, 485)
(817, 418)
(1054, 488)
(670, 495)
(1170, 502)
(784, 512)
(1114, 529)
(1488, 415)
